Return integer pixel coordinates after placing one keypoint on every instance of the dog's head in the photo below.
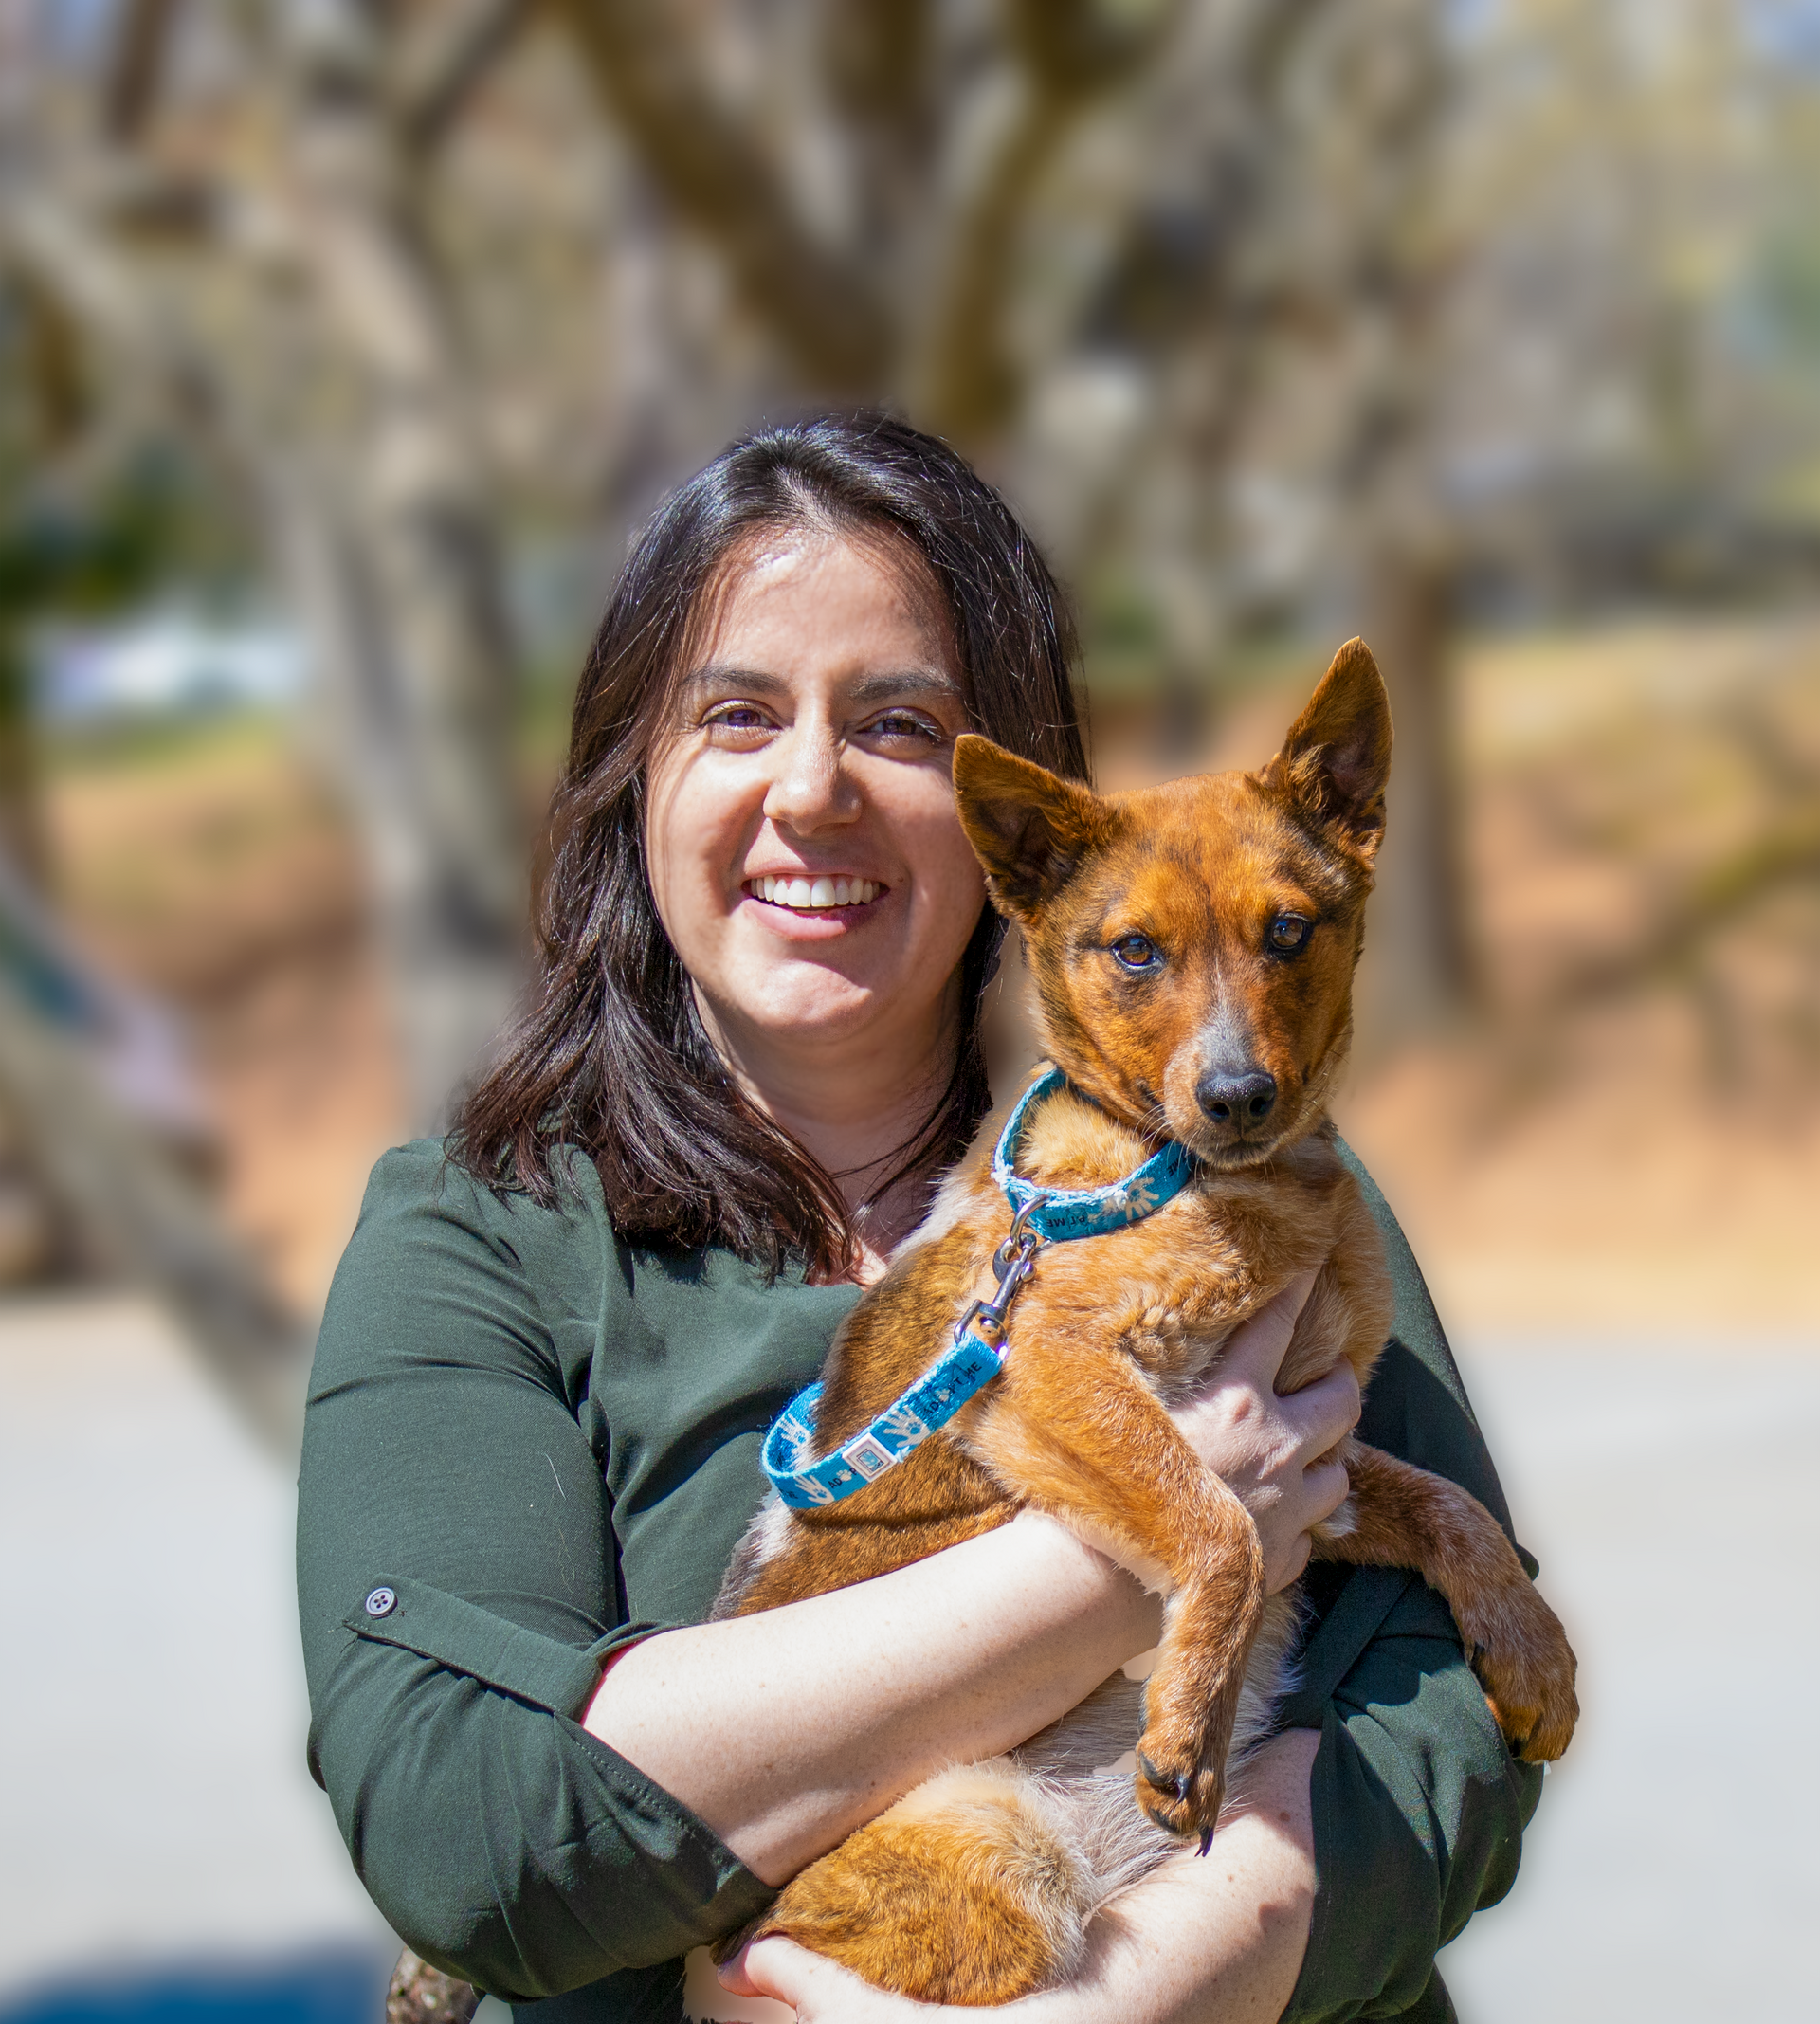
(1193, 945)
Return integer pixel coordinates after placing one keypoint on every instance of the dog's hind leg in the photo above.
(1401, 1516)
(967, 1891)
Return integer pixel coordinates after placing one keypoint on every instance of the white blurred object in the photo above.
(170, 660)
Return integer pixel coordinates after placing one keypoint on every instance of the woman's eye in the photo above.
(906, 723)
(1289, 932)
(737, 716)
(1137, 952)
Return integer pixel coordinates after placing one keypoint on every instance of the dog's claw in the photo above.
(1185, 1804)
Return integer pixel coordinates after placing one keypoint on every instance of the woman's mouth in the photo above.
(817, 895)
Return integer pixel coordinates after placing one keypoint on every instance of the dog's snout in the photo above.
(1241, 1100)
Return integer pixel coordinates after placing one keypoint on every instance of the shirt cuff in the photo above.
(474, 1641)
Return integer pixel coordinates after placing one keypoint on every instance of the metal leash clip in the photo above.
(1014, 1261)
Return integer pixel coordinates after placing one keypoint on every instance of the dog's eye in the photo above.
(1137, 952)
(1289, 932)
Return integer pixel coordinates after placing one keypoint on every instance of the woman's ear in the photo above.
(1030, 829)
(1336, 761)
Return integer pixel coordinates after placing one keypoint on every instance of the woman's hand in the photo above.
(816, 1989)
(1213, 1941)
(1274, 1452)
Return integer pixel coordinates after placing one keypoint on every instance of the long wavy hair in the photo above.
(610, 1054)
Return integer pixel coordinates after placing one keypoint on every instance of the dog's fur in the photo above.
(977, 1886)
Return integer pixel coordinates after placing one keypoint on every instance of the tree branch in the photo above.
(134, 68)
(73, 266)
(1081, 48)
(437, 99)
(819, 307)
(875, 53)
(1785, 854)
(875, 58)
(1069, 53)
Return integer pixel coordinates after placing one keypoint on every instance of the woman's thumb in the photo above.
(773, 1967)
(1260, 1343)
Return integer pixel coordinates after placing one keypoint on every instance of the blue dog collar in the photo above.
(1064, 1212)
(977, 1353)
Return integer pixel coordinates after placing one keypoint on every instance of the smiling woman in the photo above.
(769, 713)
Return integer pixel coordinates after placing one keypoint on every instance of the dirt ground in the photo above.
(216, 871)
(1625, 1138)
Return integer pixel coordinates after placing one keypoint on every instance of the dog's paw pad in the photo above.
(1176, 1785)
(1183, 1803)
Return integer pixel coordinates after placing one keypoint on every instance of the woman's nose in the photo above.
(811, 787)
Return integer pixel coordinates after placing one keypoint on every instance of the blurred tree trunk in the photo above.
(397, 559)
(135, 1209)
(22, 835)
(40, 412)
(1419, 975)
(1423, 973)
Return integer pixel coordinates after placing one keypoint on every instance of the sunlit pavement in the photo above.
(1673, 1869)
(157, 1823)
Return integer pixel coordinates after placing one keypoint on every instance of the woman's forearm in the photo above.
(786, 1731)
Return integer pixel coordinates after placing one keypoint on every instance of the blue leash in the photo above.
(976, 1355)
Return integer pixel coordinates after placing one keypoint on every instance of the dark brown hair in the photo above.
(611, 1055)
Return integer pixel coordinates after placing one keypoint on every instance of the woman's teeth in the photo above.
(810, 893)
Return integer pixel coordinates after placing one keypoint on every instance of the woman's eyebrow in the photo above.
(907, 681)
(868, 690)
(722, 675)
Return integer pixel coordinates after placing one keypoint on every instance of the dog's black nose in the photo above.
(1239, 1099)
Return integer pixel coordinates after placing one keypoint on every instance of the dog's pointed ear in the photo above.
(1336, 761)
(1028, 828)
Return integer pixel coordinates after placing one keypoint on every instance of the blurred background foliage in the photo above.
(343, 342)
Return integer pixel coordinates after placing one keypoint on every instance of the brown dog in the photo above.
(1193, 949)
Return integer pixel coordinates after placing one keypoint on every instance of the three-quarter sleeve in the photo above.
(1418, 1806)
(459, 1589)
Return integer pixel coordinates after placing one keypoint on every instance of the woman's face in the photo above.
(804, 850)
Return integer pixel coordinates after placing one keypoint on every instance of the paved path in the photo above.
(152, 1713)
(1673, 1870)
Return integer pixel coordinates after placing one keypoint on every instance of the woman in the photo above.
(551, 1352)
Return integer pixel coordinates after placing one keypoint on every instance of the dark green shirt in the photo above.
(528, 1441)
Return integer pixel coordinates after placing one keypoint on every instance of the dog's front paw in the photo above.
(1527, 1669)
(1181, 1794)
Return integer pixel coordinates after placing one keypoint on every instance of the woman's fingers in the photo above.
(1325, 1413)
(817, 1990)
(1275, 1453)
(1325, 1486)
(1257, 1347)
